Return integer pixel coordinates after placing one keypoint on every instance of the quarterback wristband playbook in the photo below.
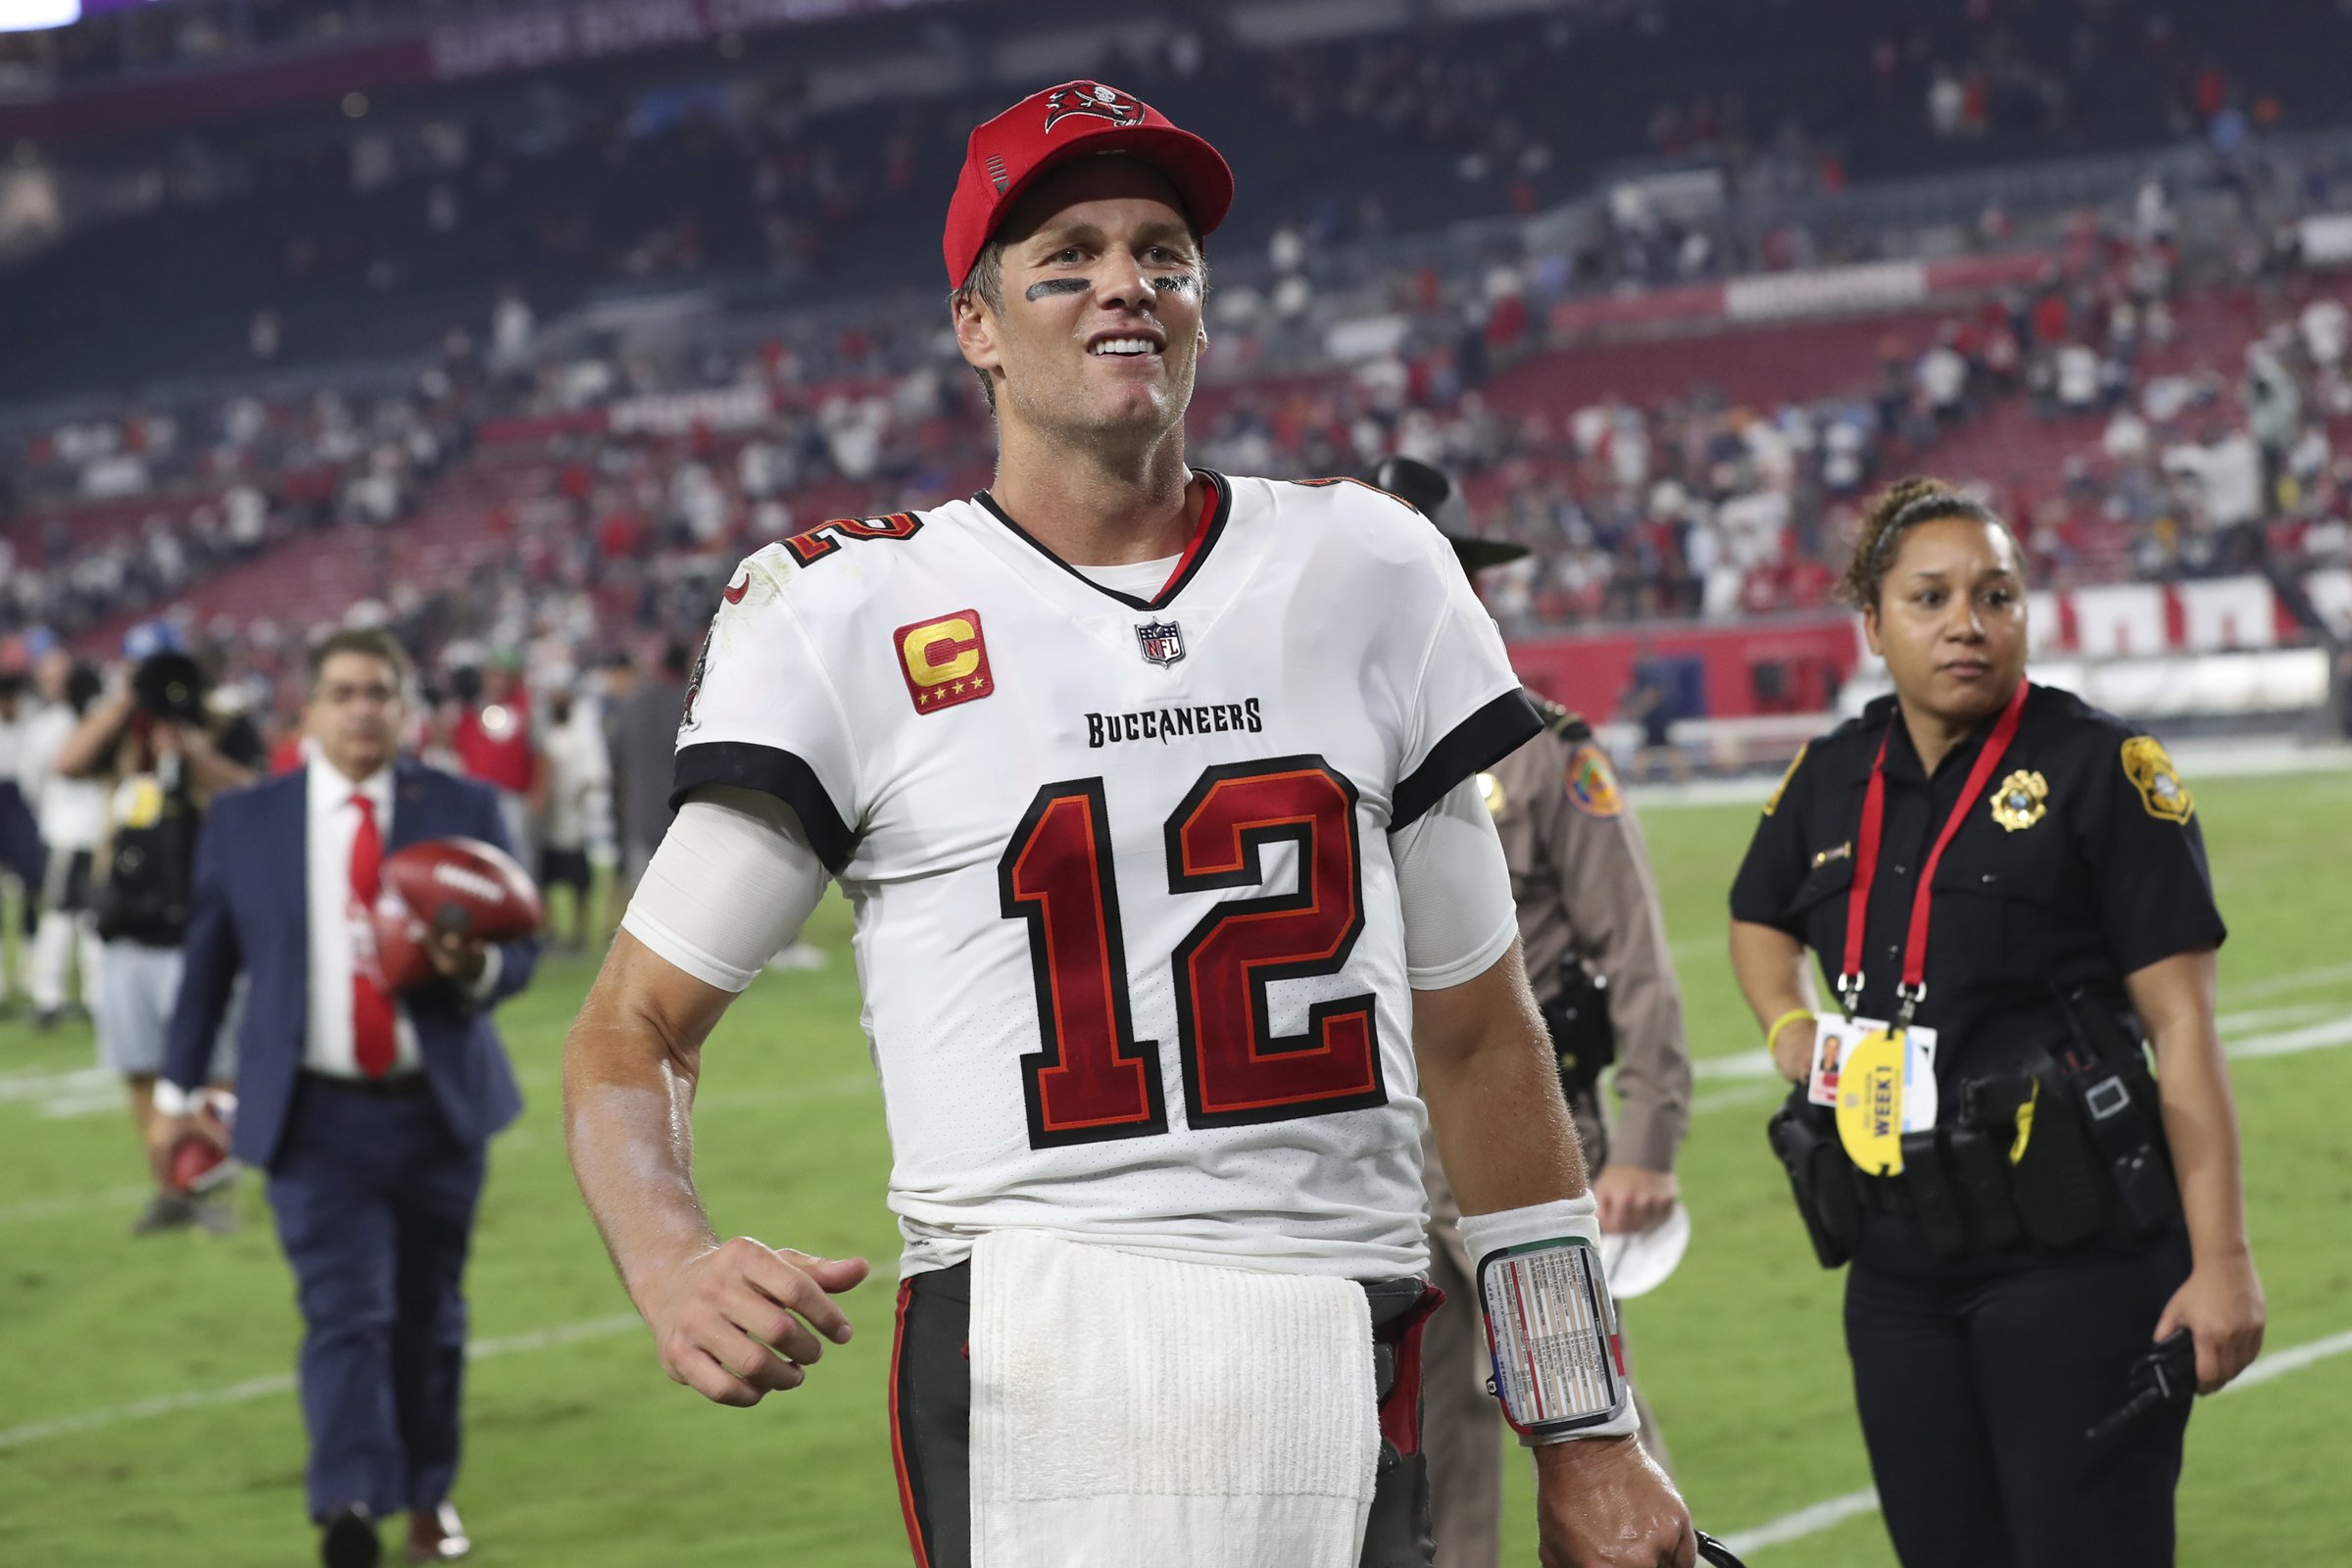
(1551, 1329)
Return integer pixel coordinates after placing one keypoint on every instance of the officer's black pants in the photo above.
(1975, 1383)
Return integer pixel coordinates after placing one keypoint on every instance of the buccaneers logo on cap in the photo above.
(1092, 98)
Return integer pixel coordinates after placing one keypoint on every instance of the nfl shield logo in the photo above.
(1160, 641)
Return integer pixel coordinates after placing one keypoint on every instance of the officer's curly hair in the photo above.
(1901, 507)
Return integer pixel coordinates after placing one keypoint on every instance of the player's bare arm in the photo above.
(733, 1320)
(1504, 1135)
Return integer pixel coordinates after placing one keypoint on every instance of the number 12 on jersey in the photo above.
(1092, 1080)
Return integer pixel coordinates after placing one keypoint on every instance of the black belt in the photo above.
(1887, 1195)
(396, 1087)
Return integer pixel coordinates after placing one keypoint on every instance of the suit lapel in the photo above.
(412, 822)
(293, 829)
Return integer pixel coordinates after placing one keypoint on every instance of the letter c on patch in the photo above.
(941, 651)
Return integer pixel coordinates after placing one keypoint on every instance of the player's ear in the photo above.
(977, 333)
(1870, 629)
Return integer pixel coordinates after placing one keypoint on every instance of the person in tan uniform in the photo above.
(1595, 942)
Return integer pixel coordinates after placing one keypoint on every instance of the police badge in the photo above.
(2021, 801)
(1161, 642)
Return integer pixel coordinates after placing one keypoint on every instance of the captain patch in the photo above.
(1592, 783)
(2152, 774)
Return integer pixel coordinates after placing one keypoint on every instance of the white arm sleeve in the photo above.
(1456, 890)
(732, 883)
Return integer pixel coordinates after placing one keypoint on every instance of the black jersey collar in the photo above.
(1195, 551)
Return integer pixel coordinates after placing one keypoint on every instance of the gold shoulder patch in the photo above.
(1778, 790)
(2152, 774)
(1592, 783)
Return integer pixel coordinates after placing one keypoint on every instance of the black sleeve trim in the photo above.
(1478, 742)
(772, 770)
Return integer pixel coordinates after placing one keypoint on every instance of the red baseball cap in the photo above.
(1006, 155)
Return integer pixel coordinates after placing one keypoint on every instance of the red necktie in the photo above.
(371, 1008)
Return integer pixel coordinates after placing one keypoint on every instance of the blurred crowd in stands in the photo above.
(531, 492)
(374, 225)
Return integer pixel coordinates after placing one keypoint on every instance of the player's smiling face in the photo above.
(1099, 331)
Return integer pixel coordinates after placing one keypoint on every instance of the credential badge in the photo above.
(1161, 642)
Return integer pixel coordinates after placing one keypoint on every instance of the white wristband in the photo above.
(171, 1100)
(1546, 1303)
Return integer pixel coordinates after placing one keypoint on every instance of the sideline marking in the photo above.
(595, 1328)
(67, 1203)
(1831, 1511)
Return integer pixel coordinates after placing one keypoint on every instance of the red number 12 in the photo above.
(1091, 1079)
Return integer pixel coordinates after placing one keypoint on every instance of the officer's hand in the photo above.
(1793, 1050)
(1632, 1199)
(1603, 1503)
(2221, 1304)
(742, 1318)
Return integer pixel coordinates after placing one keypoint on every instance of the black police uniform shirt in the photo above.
(2079, 863)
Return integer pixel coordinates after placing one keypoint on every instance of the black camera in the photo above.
(169, 686)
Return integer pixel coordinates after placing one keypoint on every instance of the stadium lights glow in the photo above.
(25, 16)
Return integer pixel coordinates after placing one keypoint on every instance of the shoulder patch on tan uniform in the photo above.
(1591, 782)
(1782, 788)
(2158, 781)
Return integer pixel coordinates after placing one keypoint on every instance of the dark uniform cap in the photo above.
(1432, 493)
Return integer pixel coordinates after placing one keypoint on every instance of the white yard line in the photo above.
(2294, 980)
(245, 1393)
(70, 1204)
(1815, 1518)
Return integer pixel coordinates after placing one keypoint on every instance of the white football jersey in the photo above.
(1127, 923)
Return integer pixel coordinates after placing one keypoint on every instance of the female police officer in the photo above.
(2008, 886)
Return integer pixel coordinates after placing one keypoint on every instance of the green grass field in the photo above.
(582, 1453)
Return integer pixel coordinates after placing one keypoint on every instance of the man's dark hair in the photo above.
(373, 641)
(675, 659)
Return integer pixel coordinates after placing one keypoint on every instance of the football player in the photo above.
(1178, 916)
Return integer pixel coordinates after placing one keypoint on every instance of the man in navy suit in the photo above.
(372, 1113)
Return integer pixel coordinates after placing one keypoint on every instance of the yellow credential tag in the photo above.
(1870, 1104)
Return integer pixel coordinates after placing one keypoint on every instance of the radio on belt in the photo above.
(1551, 1329)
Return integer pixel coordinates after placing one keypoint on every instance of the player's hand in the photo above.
(164, 1133)
(2221, 1305)
(1793, 1050)
(1632, 1199)
(742, 1319)
(456, 958)
(1601, 1503)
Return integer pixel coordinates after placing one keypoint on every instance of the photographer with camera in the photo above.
(162, 752)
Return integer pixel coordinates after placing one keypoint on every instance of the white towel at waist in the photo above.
(1137, 1412)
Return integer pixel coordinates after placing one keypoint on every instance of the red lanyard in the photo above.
(1914, 986)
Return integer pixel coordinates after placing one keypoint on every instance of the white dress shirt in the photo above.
(328, 1045)
(334, 822)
